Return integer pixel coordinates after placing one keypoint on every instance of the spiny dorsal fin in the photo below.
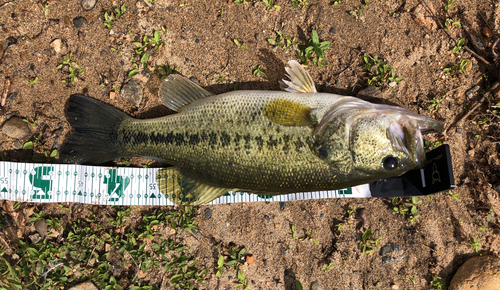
(300, 80)
(288, 113)
(177, 91)
(181, 189)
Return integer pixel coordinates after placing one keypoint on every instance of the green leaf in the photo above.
(132, 73)
(366, 234)
(220, 262)
(241, 276)
(315, 38)
(28, 145)
(271, 41)
(298, 285)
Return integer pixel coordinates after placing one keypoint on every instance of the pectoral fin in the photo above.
(300, 80)
(288, 113)
(182, 189)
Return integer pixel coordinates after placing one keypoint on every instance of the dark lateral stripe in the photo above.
(214, 139)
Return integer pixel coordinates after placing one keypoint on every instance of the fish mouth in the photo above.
(414, 127)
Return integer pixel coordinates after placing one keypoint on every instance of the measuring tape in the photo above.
(35, 182)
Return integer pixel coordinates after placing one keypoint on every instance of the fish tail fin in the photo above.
(95, 131)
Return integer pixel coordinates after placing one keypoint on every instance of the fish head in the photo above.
(372, 140)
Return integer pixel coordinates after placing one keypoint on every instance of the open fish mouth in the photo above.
(413, 128)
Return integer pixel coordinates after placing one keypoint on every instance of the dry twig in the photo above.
(5, 91)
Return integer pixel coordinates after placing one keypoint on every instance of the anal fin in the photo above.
(184, 190)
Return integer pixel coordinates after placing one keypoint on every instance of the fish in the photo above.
(262, 142)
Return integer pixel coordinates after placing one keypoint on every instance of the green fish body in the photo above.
(266, 142)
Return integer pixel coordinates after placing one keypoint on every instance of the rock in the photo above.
(35, 238)
(16, 128)
(84, 286)
(390, 248)
(477, 273)
(424, 17)
(332, 30)
(487, 32)
(250, 259)
(88, 4)
(208, 214)
(194, 80)
(267, 217)
(41, 227)
(470, 93)
(315, 285)
(132, 92)
(18, 145)
(79, 21)
(282, 204)
(58, 46)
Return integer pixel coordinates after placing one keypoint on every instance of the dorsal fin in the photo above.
(177, 91)
(182, 189)
(300, 80)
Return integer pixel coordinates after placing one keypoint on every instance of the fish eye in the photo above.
(390, 163)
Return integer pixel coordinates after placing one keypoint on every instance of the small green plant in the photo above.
(120, 11)
(402, 207)
(302, 4)
(183, 219)
(327, 267)
(483, 121)
(339, 228)
(125, 162)
(368, 244)
(256, 70)
(357, 12)
(108, 20)
(239, 45)
(314, 50)
(240, 1)
(490, 215)
(148, 165)
(243, 284)
(232, 258)
(284, 41)
(116, 88)
(31, 123)
(350, 216)
(434, 104)
(293, 234)
(382, 71)
(46, 10)
(73, 68)
(450, 2)
(450, 23)
(458, 47)
(335, 3)
(33, 81)
(166, 70)
(454, 196)
(475, 244)
(118, 49)
(309, 236)
(38, 216)
(438, 283)
(456, 69)
(183, 272)
(183, 4)
(270, 5)
(121, 218)
(428, 146)
(143, 48)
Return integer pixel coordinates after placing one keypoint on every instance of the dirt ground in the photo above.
(199, 42)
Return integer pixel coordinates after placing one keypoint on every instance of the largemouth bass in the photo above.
(265, 142)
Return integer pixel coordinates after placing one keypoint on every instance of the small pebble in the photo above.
(41, 227)
(390, 248)
(16, 128)
(57, 45)
(194, 80)
(250, 259)
(79, 21)
(197, 40)
(321, 32)
(470, 93)
(459, 130)
(18, 145)
(208, 214)
(132, 92)
(84, 286)
(35, 238)
(88, 4)
(282, 205)
(487, 32)
(315, 285)
(267, 217)
(332, 30)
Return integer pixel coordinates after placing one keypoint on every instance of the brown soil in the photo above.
(199, 43)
